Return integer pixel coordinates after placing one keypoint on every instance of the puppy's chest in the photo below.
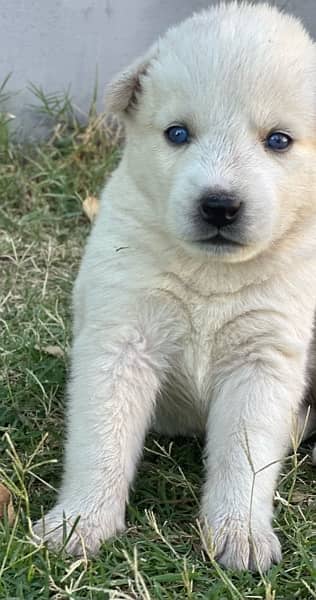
(205, 339)
(206, 321)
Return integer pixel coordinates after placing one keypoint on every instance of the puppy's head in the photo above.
(220, 119)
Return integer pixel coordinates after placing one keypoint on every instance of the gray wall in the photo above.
(61, 44)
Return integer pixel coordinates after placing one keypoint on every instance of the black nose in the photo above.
(220, 209)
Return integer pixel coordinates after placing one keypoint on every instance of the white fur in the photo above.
(173, 334)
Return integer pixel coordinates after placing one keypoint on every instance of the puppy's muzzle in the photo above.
(220, 209)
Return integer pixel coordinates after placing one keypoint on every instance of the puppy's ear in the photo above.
(123, 92)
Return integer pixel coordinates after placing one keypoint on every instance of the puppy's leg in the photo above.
(116, 375)
(249, 432)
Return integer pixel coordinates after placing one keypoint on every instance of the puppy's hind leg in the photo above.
(306, 422)
(116, 374)
(307, 415)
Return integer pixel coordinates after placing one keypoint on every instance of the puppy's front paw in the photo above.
(61, 528)
(236, 546)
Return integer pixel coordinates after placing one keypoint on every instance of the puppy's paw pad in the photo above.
(237, 547)
(77, 536)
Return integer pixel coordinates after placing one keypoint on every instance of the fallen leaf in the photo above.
(301, 498)
(52, 350)
(6, 504)
(91, 207)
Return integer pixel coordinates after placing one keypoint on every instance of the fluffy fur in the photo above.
(181, 335)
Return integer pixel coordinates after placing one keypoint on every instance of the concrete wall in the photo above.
(61, 44)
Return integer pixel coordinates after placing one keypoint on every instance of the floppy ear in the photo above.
(123, 92)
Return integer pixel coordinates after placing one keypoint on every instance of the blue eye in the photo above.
(177, 134)
(278, 141)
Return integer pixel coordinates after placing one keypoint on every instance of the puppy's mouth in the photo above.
(219, 240)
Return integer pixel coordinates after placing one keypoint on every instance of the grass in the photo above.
(161, 556)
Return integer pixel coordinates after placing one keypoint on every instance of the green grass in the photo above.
(161, 556)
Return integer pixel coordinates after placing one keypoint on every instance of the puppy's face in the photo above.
(221, 130)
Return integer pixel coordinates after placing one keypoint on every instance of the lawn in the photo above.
(42, 233)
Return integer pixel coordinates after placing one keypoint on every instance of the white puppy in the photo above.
(195, 300)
